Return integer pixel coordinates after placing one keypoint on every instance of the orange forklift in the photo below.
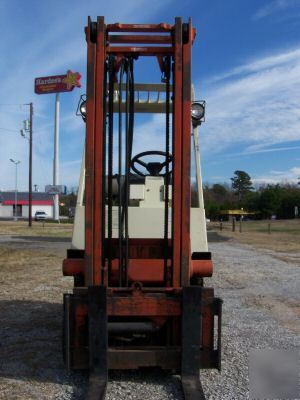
(139, 298)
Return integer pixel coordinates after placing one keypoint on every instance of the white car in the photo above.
(40, 216)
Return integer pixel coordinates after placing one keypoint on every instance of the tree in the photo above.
(219, 189)
(241, 183)
(212, 209)
(69, 201)
(270, 200)
(251, 201)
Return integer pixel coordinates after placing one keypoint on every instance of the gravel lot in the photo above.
(261, 310)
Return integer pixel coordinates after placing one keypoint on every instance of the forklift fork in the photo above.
(191, 342)
(97, 342)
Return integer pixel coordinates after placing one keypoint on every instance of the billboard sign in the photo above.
(57, 83)
(56, 189)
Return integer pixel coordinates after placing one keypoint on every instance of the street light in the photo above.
(16, 187)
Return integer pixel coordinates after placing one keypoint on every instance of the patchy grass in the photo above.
(20, 228)
(278, 229)
(31, 293)
(24, 271)
(284, 236)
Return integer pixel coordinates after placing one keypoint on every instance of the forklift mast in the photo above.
(138, 301)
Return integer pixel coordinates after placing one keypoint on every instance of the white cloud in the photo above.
(272, 150)
(291, 175)
(276, 7)
(255, 105)
(260, 64)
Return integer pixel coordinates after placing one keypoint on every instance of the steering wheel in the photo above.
(153, 168)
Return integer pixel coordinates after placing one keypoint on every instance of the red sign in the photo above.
(57, 83)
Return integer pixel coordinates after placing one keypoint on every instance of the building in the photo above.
(40, 202)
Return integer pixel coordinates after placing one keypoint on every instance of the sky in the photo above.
(246, 65)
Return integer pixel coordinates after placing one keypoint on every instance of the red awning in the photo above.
(26, 202)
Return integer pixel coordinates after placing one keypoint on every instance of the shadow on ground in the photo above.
(44, 238)
(31, 345)
(213, 236)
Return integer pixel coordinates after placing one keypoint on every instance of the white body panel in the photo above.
(145, 223)
(146, 208)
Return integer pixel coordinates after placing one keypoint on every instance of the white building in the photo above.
(40, 202)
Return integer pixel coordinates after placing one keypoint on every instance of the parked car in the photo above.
(40, 216)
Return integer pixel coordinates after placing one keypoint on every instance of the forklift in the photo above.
(139, 251)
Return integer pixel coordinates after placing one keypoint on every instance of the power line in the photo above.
(13, 104)
(9, 130)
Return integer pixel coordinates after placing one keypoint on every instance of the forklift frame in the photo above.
(94, 299)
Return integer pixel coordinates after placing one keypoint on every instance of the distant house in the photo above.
(40, 202)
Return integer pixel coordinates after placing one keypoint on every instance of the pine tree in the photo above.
(241, 183)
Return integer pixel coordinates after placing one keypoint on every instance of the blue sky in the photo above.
(246, 65)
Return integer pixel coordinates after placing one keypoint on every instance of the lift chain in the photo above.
(120, 183)
(104, 184)
(167, 74)
(111, 73)
(129, 122)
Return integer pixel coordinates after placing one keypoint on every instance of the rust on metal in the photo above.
(177, 154)
(142, 50)
(73, 266)
(139, 27)
(98, 152)
(153, 39)
(89, 163)
(147, 270)
(186, 157)
(145, 305)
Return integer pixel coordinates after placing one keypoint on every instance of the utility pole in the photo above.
(56, 157)
(30, 166)
(28, 129)
(16, 188)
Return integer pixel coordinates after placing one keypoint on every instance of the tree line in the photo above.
(266, 200)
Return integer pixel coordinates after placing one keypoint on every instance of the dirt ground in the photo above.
(32, 284)
(260, 289)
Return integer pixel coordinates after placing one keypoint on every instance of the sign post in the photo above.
(57, 84)
(56, 157)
